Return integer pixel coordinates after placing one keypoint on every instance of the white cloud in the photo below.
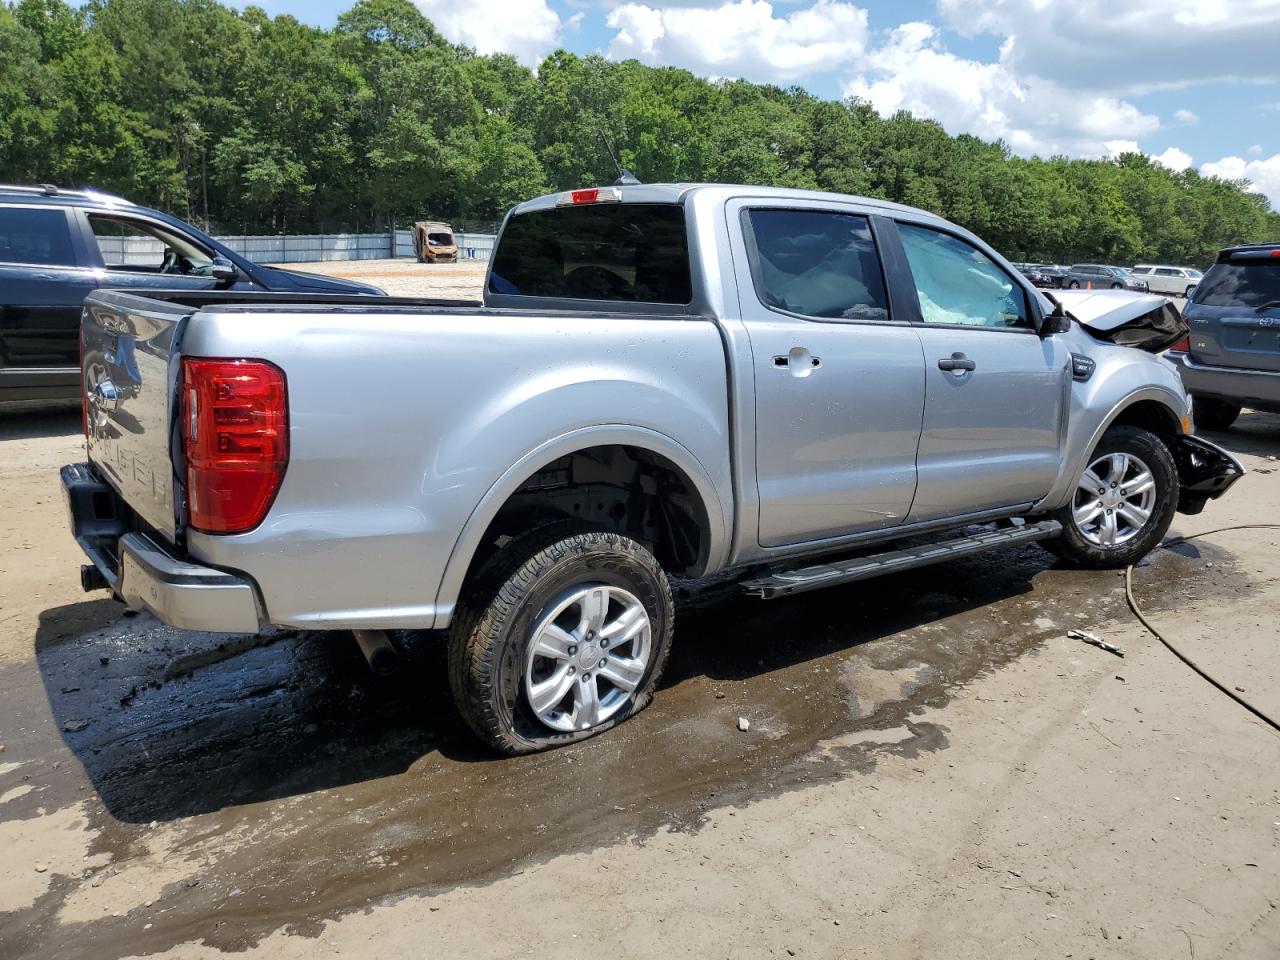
(741, 38)
(1255, 150)
(1264, 174)
(526, 29)
(913, 71)
(1129, 47)
(1185, 116)
(1174, 159)
(1117, 147)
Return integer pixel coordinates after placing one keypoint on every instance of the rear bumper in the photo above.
(1248, 388)
(146, 574)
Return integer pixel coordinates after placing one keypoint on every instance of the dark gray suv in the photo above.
(1097, 276)
(1231, 358)
(57, 246)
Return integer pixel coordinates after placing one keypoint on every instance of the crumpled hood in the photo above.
(1147, 321)
(277, 278)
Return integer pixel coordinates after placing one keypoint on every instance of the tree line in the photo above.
(247, 123)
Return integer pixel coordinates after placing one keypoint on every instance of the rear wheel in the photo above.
(1212, 414)
(1073, 285)
(563, 635)
(1123, 502)
(1117, 286)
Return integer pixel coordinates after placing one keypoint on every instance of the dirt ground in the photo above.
(404, 277)
(932, 769)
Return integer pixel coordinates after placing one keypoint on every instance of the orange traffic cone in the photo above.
(1088, 284)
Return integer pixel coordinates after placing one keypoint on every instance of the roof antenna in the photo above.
(625, 177)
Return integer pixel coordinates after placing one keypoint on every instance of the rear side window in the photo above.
(622, 252)
(1245, 283)
(816, 264)
(31, 235)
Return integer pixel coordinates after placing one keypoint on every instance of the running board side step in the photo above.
(787, 582)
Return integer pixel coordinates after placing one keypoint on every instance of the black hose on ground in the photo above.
(1137, 612)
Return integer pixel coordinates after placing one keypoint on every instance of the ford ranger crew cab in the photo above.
(661, 381)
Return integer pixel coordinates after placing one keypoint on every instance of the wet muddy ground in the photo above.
(287, 784)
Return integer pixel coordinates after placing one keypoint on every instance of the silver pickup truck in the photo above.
(662, 380)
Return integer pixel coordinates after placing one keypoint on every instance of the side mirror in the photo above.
(1059, 321)
(223, 270)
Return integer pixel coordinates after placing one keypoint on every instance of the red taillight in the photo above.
(1276, 252)
(577, 198)
(235, 436)
(1183, 345)
(585, 196)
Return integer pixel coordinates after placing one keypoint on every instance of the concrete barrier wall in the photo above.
(298, 248)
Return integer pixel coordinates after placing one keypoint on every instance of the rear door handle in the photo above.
(957, 363)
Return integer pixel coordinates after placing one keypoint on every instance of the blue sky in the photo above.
(1190, 82)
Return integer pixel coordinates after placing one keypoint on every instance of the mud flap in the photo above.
(1205, 472)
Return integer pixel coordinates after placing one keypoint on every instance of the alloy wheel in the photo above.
(1114, 499)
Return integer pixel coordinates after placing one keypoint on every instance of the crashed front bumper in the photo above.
(1205, 472)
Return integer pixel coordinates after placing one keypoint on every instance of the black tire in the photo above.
(1073, 546)
(1117, 286)
(1212, 414)
(1073, 285)
(1187, 292)
(499, 609)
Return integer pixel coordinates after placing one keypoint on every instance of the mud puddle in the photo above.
(213, 789)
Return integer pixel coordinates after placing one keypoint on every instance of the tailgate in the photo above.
(129, 359)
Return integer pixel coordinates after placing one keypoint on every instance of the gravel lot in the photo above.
(403, 277)
(932, 768)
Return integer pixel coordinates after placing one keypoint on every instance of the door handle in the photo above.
(957, 363)
(799, 362)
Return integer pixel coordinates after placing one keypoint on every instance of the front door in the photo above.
(839, 382)
(994, 389)
(137, 252)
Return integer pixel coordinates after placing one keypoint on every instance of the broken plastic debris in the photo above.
(1095, 640)
(744, 724)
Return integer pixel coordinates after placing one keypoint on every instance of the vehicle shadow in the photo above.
(33, 419)
(169, 724)
(1255, 433)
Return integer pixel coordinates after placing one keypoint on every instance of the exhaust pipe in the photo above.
(378, 650)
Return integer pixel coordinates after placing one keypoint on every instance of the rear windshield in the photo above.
(1246, 283)
(634, 252)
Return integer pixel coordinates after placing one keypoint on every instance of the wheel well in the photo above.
(1150, 415)
(627, 489)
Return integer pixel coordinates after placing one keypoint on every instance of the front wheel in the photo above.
(561, 636)
(1073, 285)
(1123, 502)
(1117, 286)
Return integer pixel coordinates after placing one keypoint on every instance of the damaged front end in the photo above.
(1145, 321)
(1205, 472)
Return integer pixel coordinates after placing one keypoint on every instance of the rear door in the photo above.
(839, 380)
(994, 389)
(43, 283)
(1234, 314)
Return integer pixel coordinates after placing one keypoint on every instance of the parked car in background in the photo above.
(1039, 275)
(1231, 357)
(1174, 281)
(433, 242)
(1097, 276)
(57, 246)
(662, 380)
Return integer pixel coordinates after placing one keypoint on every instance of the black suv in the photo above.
(56, 246)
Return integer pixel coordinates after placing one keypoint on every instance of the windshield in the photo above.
(1245, 283)
(440, 239)
(613, 251)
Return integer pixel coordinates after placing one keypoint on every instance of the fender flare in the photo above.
(468, 541)
(1165, 397)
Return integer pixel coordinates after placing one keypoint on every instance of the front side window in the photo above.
(628, 252)
(138, 246)
(958, 285)
(33, 235)
(816, 264)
